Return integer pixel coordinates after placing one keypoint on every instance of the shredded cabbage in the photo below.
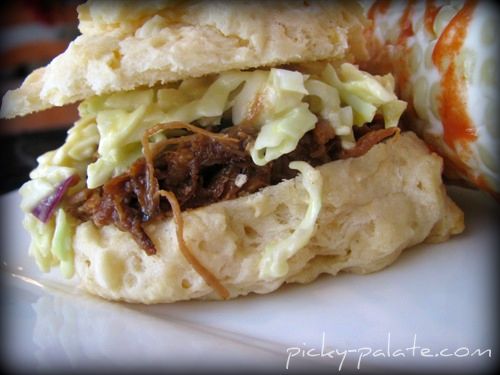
(44, 182)
(284, 119)
(41, 239)
(248, 99)
(365, 94)
(51, 243)
(118, 130)
(53, 168)
(274, 261)
(56, 166)
(61, 246)
(213, 102)
(281, 136)
(283, 104)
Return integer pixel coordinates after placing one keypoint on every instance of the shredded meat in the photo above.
(209, 278)
(202, 170)
(367, 141)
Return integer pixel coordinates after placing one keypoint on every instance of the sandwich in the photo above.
(224, 148)
(444, 57)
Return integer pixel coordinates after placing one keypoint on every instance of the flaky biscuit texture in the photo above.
(127, 44)
(374, 206)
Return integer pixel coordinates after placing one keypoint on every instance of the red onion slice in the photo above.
(44, 210)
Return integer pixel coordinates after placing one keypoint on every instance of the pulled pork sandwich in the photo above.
(224, 148)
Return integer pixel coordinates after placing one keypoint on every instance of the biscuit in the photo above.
(374, 206)
(129, 44)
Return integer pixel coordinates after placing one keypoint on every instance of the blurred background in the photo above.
(32, 33)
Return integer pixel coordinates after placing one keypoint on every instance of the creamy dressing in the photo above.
(449, 77)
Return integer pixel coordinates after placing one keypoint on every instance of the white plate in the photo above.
(433, 308)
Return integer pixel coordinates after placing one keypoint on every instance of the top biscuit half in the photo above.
(128, 44)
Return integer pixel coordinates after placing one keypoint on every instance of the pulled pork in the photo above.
(203, 170)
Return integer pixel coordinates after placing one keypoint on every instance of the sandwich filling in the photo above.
(197, 142)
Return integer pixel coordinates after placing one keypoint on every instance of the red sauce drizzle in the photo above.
(379, 6)
(457, 124)
(405, 24)
(402, 70)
